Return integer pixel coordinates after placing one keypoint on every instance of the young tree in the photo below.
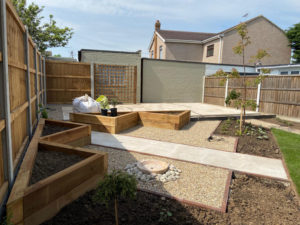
(239, 99)
(45, 35)
(293, 34)
(114, 186)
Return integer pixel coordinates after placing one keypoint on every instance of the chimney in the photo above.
(157, 25)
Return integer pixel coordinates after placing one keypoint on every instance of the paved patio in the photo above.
(197, 109)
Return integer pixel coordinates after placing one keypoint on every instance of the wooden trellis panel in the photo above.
(116, 81)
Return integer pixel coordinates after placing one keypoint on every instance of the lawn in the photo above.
(289, 144)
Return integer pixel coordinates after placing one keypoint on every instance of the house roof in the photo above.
(184, 35)
(198, 37)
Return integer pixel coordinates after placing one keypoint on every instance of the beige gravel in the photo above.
(194, 133)
(197, 183)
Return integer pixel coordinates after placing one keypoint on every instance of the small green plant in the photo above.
(165, 215)
(43, 110)
(114, 186)
(6, 220)
(238, 133)
(225, 126)
(285, 122)
(103, 100)
(114, 102)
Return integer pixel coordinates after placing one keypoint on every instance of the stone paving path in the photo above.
(250, 164)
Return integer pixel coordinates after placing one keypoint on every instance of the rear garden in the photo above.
(188, 192)
(94, 162)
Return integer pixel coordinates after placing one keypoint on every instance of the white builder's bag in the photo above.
(85, 104)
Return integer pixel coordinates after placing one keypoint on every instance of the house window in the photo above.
(284, 72)
(210, 51)
(295, 72)
(152, 54)
(160, 52)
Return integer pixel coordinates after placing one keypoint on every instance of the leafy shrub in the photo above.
(114, 186)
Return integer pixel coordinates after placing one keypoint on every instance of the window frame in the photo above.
(284, 72)
(210, 49)
(160, 51)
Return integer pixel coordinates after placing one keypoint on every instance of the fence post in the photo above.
(92, 81)
(226, 91)
(28, 90)
(5, 101)
(36, 83)
(45, 84)
(203, 88)
(258, 97)
(40, 80)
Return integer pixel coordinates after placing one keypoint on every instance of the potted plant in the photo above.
(114, 186)
(113, 110)
(102, 99)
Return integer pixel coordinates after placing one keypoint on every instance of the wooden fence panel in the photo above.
(278, 94)
(281, 95)
(214, 91)
(1, 163)
(238, 85)
(67, 80)
(19, 102)
(17, 80)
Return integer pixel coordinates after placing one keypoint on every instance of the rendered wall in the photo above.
(172, 81)
(185, 52)
(263, 35)
(215, 57)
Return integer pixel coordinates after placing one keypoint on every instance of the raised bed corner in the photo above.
(36, 203)
(174, 120)
(107, 124)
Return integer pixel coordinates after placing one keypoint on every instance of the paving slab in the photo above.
(250, 164)
(197, 109)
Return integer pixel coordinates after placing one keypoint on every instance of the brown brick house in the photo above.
(217, 47)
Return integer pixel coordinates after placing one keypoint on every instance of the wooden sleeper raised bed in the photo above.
(107, 124)
(162, 119)
(36, 203)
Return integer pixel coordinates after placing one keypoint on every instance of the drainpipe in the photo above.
(220, 47)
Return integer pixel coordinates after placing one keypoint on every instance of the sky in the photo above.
(128, 25)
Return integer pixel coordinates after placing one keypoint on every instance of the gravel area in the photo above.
(194, 133)
(197, 183)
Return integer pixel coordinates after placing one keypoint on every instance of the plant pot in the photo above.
(104, 112)
(114, 112)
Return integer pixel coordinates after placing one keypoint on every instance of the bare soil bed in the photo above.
(284, 123)
(256, 141)
(48, 163)
(252, 200)
(52, 129)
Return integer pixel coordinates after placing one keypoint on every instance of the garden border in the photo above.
(39, 202)
(226, 191)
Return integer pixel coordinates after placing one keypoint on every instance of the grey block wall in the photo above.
(172, 81)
